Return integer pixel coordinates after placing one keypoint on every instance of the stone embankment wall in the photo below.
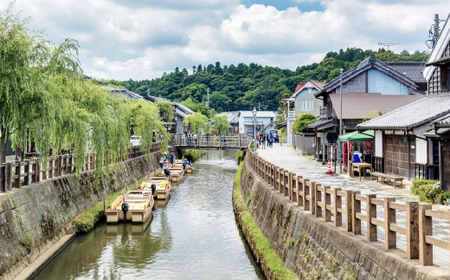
(313, 249)
(34, 217)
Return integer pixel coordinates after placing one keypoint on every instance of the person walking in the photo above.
(269, 140)
(161, 162)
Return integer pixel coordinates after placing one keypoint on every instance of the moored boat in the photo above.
(176, 174)
(134, 206)
(161, 184)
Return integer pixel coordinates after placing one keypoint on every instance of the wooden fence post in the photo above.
(371, 213)
(8, 176)
(306, 192)
(312, 191)
(337, 206)
(327, 201)
(18, 174)
(299, 191)
(412, 231)
(389, 218)
(356, 208)
(348, 210)
(425, 228)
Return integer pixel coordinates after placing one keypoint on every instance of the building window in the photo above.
(306, 105)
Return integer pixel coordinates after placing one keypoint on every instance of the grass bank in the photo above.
(86, 221)
(271, 264)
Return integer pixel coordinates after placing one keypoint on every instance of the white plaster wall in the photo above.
(421, 151)
(378, 144)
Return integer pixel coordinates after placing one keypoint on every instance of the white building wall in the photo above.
(378, 144)
(421, 151)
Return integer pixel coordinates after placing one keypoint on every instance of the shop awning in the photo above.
(356, 136)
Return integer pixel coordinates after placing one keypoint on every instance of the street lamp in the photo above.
(254, 129)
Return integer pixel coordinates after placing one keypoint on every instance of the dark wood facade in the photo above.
(440, 79)
(399, 157)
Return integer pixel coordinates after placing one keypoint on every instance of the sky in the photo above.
(142, 39)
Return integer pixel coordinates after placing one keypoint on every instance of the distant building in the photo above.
(304, 99)
(264, 121)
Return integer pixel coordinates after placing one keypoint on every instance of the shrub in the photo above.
(429, 192)
(419, 182)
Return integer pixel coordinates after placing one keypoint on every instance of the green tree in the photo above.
(302, 121)
(221, 124)
(198, 123)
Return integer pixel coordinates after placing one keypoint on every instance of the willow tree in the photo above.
(29, 67)
(168, 111)
(198, 123)
(221, 124)
(45, 100)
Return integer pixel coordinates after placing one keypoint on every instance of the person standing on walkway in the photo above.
(269, 140)
(263, 140)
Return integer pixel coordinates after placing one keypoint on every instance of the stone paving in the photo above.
(289, 159)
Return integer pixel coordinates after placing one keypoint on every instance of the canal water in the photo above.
(193, 235)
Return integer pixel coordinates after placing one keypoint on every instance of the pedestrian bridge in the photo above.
(212, 142)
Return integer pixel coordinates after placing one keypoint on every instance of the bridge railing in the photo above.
(359, 212)
(212, 141)
(28, 171)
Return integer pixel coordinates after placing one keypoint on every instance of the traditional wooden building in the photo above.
(403, 144)
(371, 88)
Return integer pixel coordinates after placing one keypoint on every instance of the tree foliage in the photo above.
(197, 123)
(302, 121)
(45, 100)
(242, 86)
(221, 124)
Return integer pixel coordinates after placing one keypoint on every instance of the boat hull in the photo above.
(140, 208)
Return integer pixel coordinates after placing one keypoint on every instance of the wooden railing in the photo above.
(239, 141)
(335, 205)
(23, 173)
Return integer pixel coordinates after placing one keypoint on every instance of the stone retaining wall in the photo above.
(34, 217)
(317, 250)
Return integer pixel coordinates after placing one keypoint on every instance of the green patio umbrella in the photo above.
(355, 136)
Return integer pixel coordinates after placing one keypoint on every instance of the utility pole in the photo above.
(340, 125)
(207, 98)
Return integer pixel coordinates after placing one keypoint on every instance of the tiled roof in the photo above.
(319, 123)
(412, 115)
(366, 64)
(359, 105)
(411, 69)
(443, 122)
(124, 94)
(300, 86)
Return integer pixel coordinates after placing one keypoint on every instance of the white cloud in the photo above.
(142, 39)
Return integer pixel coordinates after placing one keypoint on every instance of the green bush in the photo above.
(240, 155)
(192, 155)
(427, 190)
(419, 182)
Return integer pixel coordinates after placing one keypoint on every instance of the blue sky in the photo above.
(143, 39)
(305, 6)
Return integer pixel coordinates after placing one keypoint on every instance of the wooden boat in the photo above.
(188, 169)
(163, 186)
(176, 174)
(134, 206)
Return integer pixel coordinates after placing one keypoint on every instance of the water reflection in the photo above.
(193, 235)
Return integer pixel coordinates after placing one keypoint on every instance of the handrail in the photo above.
(28, 171)
(332, 204)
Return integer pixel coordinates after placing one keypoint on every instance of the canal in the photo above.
(193, 235)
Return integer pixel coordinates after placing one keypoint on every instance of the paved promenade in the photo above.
(289, 159)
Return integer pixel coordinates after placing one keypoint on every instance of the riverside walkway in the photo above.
(287, 158)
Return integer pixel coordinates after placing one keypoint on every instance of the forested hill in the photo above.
(240, 87)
